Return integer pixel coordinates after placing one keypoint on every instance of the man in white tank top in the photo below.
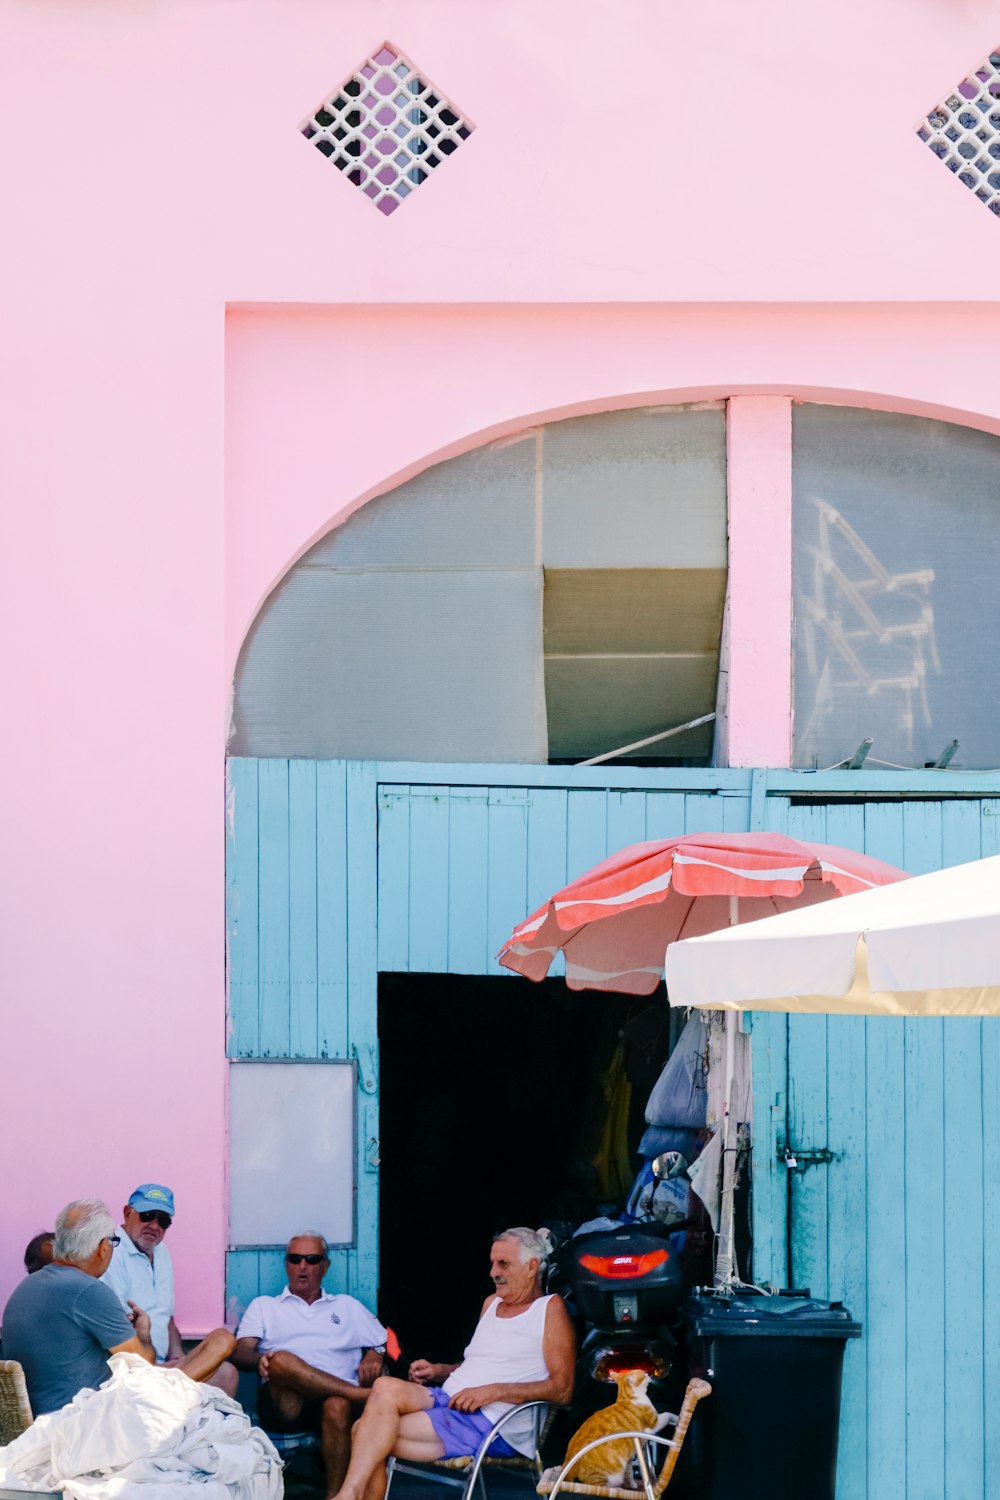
(523, 1349)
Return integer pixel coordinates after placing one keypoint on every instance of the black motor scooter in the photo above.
(626, 1285)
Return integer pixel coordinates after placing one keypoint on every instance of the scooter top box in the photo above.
(627, 1275)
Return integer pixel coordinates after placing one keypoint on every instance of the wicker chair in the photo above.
(466, 1473)
(554, 1483)
(15, 1408)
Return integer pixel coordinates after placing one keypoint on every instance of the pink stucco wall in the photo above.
(112, 823)
(661, 202)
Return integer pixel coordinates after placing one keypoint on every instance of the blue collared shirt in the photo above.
(133, 1277)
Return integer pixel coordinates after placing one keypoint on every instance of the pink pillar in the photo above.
(760, 581)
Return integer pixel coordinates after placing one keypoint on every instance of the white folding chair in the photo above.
(466, 1473)
(557, 1482)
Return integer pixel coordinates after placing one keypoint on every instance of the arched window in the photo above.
(549, 597)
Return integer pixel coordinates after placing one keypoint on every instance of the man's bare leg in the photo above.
(335, 1438)
(226, 1378)
(394, 1421)
(377, 1485)
(204, 1360)
(292, 1381)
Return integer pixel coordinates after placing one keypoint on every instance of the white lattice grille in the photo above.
(964, 131)
(386, 128)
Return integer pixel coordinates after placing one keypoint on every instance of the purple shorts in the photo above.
(462, 1432)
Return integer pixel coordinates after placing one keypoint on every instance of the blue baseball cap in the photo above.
(152, 1195)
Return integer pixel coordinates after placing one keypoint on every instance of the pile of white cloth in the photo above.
(147, 1434)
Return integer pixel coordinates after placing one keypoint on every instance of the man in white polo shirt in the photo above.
(317, 1355)
(141, 1273)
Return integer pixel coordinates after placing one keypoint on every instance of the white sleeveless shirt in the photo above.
(505, 1351)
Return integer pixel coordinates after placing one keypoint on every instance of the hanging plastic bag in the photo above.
(687, 1139)
(680, 1094)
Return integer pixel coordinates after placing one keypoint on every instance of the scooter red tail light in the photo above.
(624, 1267)
(615, 1363)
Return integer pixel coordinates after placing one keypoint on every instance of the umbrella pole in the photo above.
(725, 1270)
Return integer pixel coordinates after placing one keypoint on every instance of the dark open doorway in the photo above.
(492, 1105)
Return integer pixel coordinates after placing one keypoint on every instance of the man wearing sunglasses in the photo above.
(317, 1355)
(141, 1273)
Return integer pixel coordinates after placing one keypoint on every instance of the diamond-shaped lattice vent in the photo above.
(387, 128)
(964, 131)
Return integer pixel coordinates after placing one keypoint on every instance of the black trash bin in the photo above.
(769, 1429)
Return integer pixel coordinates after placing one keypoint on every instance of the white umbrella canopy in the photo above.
(929, 946)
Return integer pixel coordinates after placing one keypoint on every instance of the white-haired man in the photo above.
(523, 1349)
(63, 1323)
(317, 1355)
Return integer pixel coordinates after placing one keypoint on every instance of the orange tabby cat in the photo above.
(633, 1411)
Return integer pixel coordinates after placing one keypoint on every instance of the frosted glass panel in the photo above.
(897, 609)
(291, 1151)
(420, 665)
(478, 508)
(636, 489)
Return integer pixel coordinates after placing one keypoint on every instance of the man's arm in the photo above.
(246, 1355)
(422, 1372)
(371, 1367)
(252, 1327)
(559, 1350)
(175, 1344)
(136, 1346)
(141, 1344)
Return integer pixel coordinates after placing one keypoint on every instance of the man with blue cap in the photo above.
(141, 1274)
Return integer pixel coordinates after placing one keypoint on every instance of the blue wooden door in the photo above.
(336, 870)
(460, 865)
(903, 1223)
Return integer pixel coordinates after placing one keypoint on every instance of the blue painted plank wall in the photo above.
(301, 914)
(451, 857)
(318, 850)
(459, 866)
(898, 1225)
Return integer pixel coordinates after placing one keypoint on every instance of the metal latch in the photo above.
(367, 1059)
(797, 1159)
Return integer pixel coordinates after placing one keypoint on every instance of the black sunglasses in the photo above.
(149, 1214)
(113, 1239)
(310, 1260)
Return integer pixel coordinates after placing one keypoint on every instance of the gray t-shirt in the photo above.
(59, 1325)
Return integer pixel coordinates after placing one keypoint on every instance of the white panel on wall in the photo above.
(291, 1151)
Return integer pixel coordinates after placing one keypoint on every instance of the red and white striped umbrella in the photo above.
(614, 922)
